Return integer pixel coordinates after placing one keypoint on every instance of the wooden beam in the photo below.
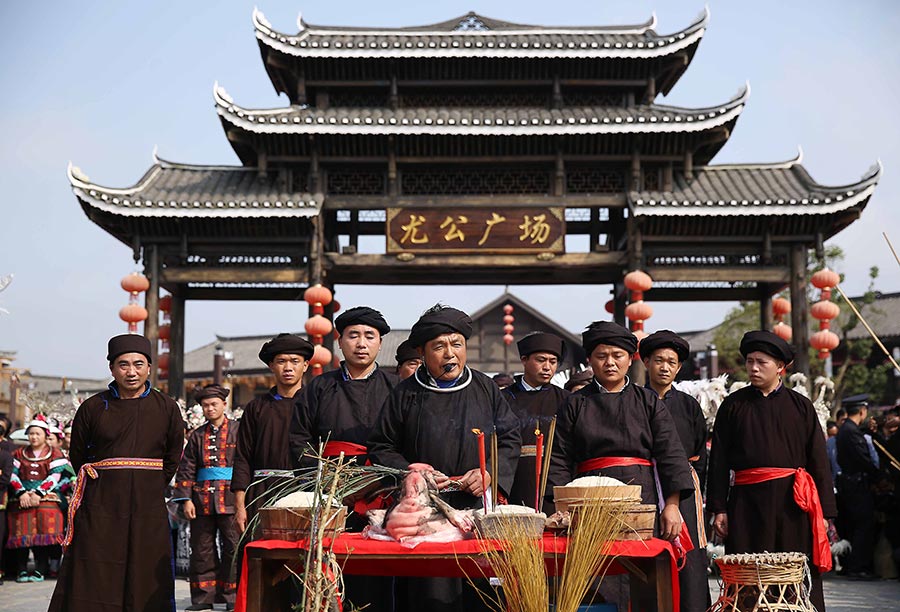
(767, 274)
(702, 294)
(234, 275)
(229, 294)
(345, 202)
(151, 303)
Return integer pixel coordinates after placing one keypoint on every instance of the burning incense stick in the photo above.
(538, 474)
(495, 465)
(547, 454)
(869, 329)
(482, 466)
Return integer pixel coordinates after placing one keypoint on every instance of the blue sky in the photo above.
(101, 84)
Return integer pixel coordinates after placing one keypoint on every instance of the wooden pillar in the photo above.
(315, 178)
(688, 165)
(651, 90)
(301, 87)
(394, 99)
(765, 307)
(559, 184)
(176, 344)
(799, 309)
(619, 299)
(392, 167)
(557, 92)
(668, 177)
(636, 171)
(151, 303)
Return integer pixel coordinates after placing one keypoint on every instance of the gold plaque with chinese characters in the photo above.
(476, 230)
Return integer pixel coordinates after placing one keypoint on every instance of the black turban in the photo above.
(540, 342)
(665, 339)
(406, 351)
(127, 343)
(212, 390)
(605, 332)
(285, 344)
(362, 315)
(768, 343)
(437, 320)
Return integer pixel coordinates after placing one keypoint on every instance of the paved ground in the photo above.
(840, 596)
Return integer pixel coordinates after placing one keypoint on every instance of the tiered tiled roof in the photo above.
(754, 189)
(650, 118)
(179, 190)
(472, 35)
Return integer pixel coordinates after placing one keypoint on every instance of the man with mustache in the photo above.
(770, 437)
(428, 420)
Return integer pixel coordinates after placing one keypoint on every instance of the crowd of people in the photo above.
(766, 471)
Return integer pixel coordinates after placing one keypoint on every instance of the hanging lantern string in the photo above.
(868, 329)
(891, 247)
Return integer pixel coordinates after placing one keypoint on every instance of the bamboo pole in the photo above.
(548, 451)
(495, 466)
(869, 329)
(894, 463)
(891, 247)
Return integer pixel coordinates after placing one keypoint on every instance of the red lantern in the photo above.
(317, 309)
(824, 341)
(162, 361)
(508, 319)
(638, 280)
(508, 329)
(133, 314)
(317, 325)
(611, 307)
(318, 294)
(165, 303)
(638, 311)
(508, 309)
(781, 306)
(825, 310)
(335, 307)
(135, 283)
(825, 279)
(508, 339)
(321, 356)
(165, 331)
(783, 331)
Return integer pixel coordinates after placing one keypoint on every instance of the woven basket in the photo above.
(493, 525)
(294, 524)
(770, 582)
(765, 568)
(566, 496)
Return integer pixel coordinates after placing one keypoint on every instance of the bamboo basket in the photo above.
(292, 524)
(775, 582)
(566, 496)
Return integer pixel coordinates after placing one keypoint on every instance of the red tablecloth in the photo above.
(378, 558)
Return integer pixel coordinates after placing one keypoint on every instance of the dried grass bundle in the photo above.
(519, 562)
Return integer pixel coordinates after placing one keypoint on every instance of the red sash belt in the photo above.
(89, 470)
(601, 463)
(807, 497)
(334, 448)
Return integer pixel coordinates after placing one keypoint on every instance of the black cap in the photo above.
(437, 320)
(665, 339)
(127, 343)
(362, 315)
(860, 399)
(541, 342)
(212, 390)
(605, 332)
(406, 351)
(285, 344)
(766, 342)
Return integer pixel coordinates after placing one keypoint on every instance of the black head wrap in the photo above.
(580, 378)
(665, 339)
(127, 343)
(212, 390)
(605, 332)
(362, 315)
(437, 320)
(285, 344)
(766, 342)
(406, 351)
(540, 342)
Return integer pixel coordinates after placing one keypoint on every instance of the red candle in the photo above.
(538, 457)
(482, 466)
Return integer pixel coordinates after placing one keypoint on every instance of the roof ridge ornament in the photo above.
(75, 174)
(260, 19)
(220, 95)
(471, 22)
(301, 25)
(652, 25)
(155, 154)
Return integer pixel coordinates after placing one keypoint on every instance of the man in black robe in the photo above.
(408, 360)
(614, 428)
(263, 455)
(769, 436)
(663, 353)
(535, 402)
(428, 419)
(126, 443)
(339, 409)
(856, 498)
